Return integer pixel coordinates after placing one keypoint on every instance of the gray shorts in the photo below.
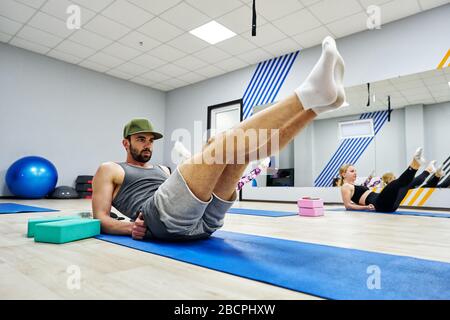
(175, 213)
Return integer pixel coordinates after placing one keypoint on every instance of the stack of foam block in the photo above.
(84, 186)
(310, 207)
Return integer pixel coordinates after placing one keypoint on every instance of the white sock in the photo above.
(432, 167)
(440, 171)
(323, 89)
(418, 156)
(181, 150)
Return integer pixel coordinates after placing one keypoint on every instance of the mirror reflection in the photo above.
(382, 125)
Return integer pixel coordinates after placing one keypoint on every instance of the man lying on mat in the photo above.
(191, 202)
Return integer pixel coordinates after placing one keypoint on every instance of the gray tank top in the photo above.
(139, 184)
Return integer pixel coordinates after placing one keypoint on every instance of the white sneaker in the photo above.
(440, 171)
(418, 156)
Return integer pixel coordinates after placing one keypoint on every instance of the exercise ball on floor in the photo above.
(31, 177)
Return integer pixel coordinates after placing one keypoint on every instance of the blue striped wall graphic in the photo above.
(266, 82)
(350, 150)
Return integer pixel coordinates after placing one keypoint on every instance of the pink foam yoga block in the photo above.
(310, 203)
(311, 212)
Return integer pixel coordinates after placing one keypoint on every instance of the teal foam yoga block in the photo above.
(34, 221)
(67, 230)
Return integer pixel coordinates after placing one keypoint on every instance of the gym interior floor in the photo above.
(30, 270)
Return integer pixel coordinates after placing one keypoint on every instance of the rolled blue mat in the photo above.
(18, 208)
(319, 270)
(400, 212)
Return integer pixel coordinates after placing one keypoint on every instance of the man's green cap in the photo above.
(138, 126)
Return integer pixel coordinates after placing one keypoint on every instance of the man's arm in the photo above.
(103, 189)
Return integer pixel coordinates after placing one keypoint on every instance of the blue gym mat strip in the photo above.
(399, 212)
(319, 270)
(264, 213)
(10, 207)
(269, 213)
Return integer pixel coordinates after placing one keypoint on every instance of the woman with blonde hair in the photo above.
(361, 198)
(387, 178)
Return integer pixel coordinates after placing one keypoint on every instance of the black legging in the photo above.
(386, 200)
(417, 182)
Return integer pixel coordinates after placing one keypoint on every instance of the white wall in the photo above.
(388, 147)
(414, 129)
(304, 150)
(189, 104)
(70, 115)
(437, 129)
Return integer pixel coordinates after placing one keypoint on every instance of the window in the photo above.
(356, 129)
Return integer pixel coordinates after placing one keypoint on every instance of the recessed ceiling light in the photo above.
(212, 32)
(449, 83)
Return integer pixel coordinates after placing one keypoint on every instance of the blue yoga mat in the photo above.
(17, 208)
(319, 270)
(264, 213)
(400, 212)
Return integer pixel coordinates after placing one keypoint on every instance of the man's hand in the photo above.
(371, 207)
(139, 228)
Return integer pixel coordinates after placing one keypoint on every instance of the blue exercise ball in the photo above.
(31, 177)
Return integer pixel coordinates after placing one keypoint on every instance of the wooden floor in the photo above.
(30, 270)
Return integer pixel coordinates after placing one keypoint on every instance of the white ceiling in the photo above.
(170, 57)
(428, 87)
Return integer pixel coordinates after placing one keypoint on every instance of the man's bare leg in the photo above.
(202, 177)
(227, 182)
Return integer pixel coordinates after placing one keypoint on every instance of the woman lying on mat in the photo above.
(388, 200)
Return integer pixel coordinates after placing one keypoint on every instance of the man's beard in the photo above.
(140, 157)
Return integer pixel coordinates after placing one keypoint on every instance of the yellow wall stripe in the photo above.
(418, 193)
(406, 197)
(426, 196)
(442, 64)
